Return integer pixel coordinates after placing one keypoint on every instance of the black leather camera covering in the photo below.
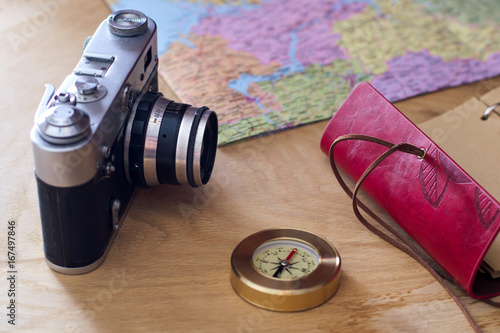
(77, 222)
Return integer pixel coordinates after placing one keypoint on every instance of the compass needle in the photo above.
(277, 274)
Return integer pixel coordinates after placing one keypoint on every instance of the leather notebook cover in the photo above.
(440, 205)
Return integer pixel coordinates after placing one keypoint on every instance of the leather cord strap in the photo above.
(392, 234)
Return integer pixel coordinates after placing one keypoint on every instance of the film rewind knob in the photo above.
(127, 23)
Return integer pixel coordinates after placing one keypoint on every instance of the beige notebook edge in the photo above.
(472, 142)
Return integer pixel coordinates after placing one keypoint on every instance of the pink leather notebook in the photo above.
(440, 205)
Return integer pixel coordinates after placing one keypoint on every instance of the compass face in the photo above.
(285, 259)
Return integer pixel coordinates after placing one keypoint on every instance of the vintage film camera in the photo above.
(104, 132)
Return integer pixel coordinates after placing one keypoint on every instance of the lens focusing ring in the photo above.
(184, 151)
(138, 138)
(195, 152)
(168, 172)
(152, 140)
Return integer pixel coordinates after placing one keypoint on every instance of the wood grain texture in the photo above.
(169, 267)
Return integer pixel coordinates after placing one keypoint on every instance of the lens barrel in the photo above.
(170, 143)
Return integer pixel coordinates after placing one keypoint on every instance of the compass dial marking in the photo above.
(300, 259)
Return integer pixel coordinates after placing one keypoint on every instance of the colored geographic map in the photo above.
(269, 65)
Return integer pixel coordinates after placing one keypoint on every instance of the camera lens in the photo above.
(169, 143)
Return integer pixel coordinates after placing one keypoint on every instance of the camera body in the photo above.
(106, 131)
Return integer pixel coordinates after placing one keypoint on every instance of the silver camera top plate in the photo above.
(119, 62)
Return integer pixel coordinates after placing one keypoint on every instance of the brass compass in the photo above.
(285, 270)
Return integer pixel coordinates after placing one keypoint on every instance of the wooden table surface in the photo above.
(168, 270)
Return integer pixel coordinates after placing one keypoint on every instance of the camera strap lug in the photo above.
(115, 213)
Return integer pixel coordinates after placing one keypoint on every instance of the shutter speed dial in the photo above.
(63, 124)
